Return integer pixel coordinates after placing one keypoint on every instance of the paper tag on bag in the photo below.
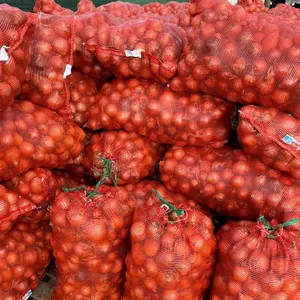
(134, 53)
(3, 54)
(27, 295)
(233, 2)
(68, 71)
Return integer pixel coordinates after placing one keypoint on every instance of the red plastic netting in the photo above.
(51, 7)
(231, 183)
(121, 157)
(251, 265)
(286, 11)
(175, 7)
(90, 241)
(147, 49)
(157, 8)
(164, 116)
(85, 6)
(253, 6)
(243, 57)
(16, 29)
(25, 253)
(32, 136)
(172, 254)
(271, 135)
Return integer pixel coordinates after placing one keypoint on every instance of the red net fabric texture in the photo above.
(240, 56)
(50, 7)
(32, 136)
(85, 6)
(25, 254)
(90, 241)
(252, 266)
(175, 7)
(271, 135)
(286, 11)
(16, 29)
(253, 6)
(157, 8)
(169, 260)
(231, 183)
(164, 116)
(147, 49)
(132, 156)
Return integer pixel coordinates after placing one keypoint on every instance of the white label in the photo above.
(233, 2)
(27, 295)
(3, 54)
(68, 71)
(134, 53)
(291, 141)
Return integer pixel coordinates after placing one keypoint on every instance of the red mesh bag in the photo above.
(175, 7)
(122, 10)
(85, 6)
(32, 136)
(231, 183)
(16, 30)
(243, 57)
(25, 253)
(286, 11)
(157, 8)
(51, 7)
(164, 116)
(90, 241)
(253, 6)
(67, 179)
(121, 157)
(271, 135)
(51, 63)
(83, 91)
(257, 261)
(147, 49)
(172, 254)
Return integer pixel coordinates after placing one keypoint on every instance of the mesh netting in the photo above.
(90, 242)
(172, 253)
(240, 56)
(122, 157)
(164, 116)
(147, 49)
(85, 6)
(25, 254)
(16, 29)
(286, 11)
(231, 183)
(51, 7)
(32, 136)
(271, 135)
(252, 265)
(253, 6)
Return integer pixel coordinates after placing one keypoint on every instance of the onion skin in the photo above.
(35, 136)
(26, 252)
(250, 269)
(229, 182)
(164, 116)
(90, 242)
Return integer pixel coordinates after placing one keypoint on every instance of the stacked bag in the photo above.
(118, 152)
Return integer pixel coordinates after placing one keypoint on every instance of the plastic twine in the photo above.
(108, 169)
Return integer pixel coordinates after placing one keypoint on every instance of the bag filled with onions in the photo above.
(271, 135)
(172, 252)
(121, 156)
(85, 6)
(286, 11)
(90, 241)
(231, 183)
(164, 116)
(147, 49)
(32, 136)
(52, 48)
(25, 254)
(16, 30)
(257, 261)
(253, 6)
(50, 7)
(240, 56)
(175, 7)
(157, 8)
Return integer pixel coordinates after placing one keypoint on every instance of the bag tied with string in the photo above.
(257, 261)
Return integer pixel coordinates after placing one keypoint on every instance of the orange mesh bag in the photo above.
(67, 179)
(85, 6)
(157, 8)
(172, 253)
(25, 253)
(16, 29)
(51, 63)
(271, 135)
(90, 241)
(121, 157)
(175, 7)
(231, 183)
(147, 49)
(164, 116)
(51, 7)
(286, 11)
(253, 6)
(32, 136)
(122, 10)
(257, 261)
(83, 91)
(240, 56)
